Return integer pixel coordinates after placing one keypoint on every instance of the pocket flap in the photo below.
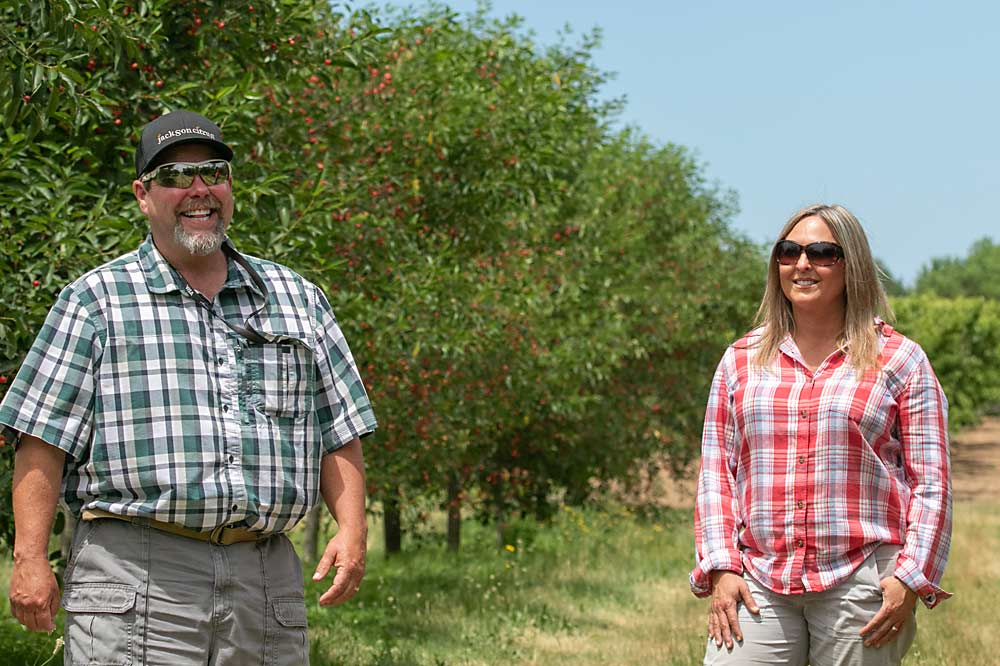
(290, 612)
(98, 598)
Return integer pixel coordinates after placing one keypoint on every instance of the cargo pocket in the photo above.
(288, 637)
(100, 622)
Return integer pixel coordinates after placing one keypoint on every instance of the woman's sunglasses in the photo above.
(822, 253)
(181, 174)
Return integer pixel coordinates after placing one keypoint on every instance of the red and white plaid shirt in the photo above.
(803, 474)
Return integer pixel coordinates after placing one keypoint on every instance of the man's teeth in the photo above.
(198, 212)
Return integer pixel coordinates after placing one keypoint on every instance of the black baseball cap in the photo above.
(174, 128)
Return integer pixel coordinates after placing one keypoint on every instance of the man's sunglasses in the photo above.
(181, 174)
(822, 253)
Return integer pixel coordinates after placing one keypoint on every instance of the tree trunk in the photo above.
(310, 545)
(454, 514)
(392, 524)
(499, 514)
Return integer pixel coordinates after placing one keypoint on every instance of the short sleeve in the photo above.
(341, 403)
(52, 396)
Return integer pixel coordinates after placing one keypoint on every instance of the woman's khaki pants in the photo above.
(817, 628)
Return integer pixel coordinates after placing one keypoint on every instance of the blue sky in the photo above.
(889, 108)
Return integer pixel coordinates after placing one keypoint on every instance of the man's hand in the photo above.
(346, 553)
(728, 588)
(34, 594)
(898, 602)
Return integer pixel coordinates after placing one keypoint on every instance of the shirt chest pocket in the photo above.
(869, 410)
(280, 378)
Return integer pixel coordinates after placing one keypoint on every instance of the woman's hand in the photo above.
(728, 589)
(898, 602)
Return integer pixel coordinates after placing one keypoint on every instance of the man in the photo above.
(189, 404)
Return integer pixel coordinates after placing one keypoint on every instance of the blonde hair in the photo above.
(864, 296)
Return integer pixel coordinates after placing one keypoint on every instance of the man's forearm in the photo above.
(37, 479)
(342, 484)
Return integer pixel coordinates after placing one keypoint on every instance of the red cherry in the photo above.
(135, 65)
(27, 98)
(159, 84)
(35, 282)
(3, 379)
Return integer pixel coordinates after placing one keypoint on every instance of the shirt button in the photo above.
(800, 543)
(802, 459)
(231, 459)
(799, 504)
(220, 360)
(804, 414)
(225, 408)
(236, 507)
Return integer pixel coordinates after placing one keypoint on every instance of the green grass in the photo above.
(596, 587)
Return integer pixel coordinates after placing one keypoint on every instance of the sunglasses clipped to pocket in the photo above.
(181, 174)
(823, 253)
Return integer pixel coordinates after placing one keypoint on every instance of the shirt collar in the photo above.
(162, 278)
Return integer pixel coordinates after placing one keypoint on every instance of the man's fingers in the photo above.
(341, 586)
(33, 618)
(54, 605)
(39, 621)
(325, 563)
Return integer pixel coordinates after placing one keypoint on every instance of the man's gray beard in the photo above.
(203, 244)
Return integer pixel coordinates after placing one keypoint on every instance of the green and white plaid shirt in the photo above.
(166, 413)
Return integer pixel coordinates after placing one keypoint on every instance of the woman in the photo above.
(824, 500)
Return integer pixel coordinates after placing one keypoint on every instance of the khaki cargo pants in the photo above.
(135, 596)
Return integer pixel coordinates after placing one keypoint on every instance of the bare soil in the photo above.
(975, 462)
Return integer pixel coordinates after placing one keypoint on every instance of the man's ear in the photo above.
(140, 192)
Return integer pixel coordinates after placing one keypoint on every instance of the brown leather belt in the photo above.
(220, 536)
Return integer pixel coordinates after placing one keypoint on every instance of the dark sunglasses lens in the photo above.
(822, 254)
(182, 174)
(787, 252)
(174, 175)
(214, 173)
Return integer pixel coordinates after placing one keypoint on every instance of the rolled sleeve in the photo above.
(342, 406)
(923, 419)
(716, 516)
(52, 396)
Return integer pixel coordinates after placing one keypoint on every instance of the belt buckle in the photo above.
(216, 536)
